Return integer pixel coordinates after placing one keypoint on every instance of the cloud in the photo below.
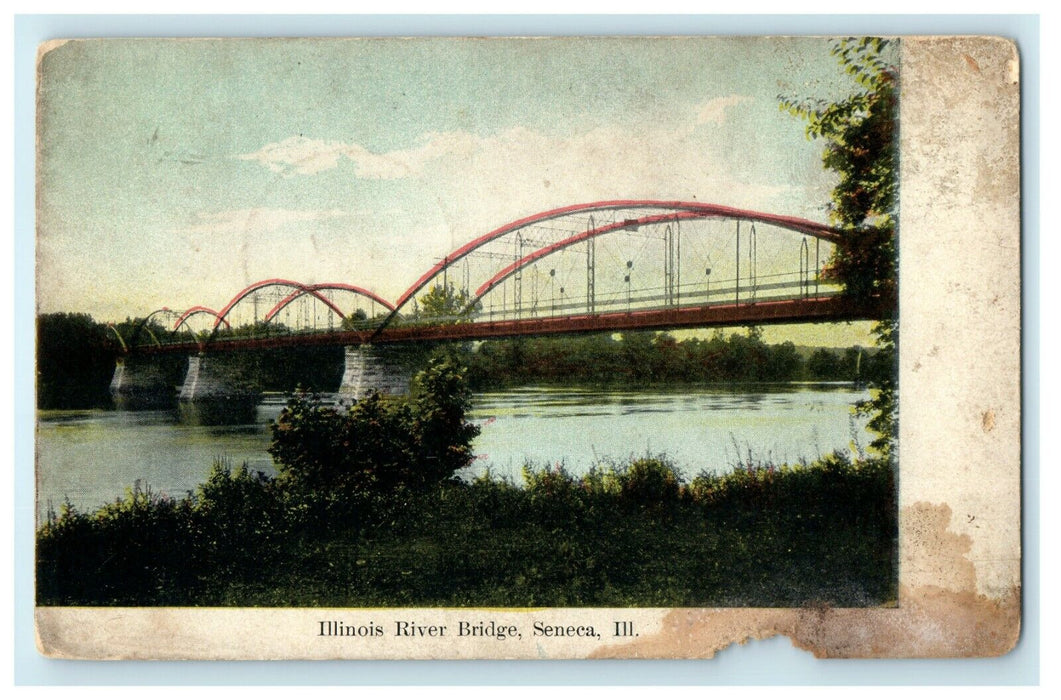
(521, 171)
(298, 155)
(714, 111)
(260, 220)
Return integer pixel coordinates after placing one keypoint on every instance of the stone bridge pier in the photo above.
(141, 383)
(369, 369)
(215, 393)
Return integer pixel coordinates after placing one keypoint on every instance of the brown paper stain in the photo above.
(931, 555)
(54, 637)
(987, 421)
(947, 619)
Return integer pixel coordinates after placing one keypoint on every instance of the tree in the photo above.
(783, 363)
(380, 444)
(441, 399)
(355, 321)
(860, 134)
(75, 361)
(446, 304)
(883, 408)
(823, 364)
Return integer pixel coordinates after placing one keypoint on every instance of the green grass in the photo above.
(631, 535)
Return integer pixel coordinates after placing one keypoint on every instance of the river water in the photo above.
(91, 457)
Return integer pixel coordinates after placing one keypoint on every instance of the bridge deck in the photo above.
(800, 310)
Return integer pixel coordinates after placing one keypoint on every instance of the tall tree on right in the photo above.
(861, 146)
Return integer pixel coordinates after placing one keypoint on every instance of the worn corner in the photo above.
(46, 47)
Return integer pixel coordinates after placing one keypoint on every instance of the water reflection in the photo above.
(219, 411)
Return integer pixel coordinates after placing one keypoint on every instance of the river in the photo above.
(91, 457)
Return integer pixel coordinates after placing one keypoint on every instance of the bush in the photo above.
(140, 544)
(553, 494)
(651, 481)
(380, 445)
(236, 516)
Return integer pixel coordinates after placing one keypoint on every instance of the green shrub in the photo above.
(603, 481)
(140, 544)
(553, 495)
(237, 519)
(380, 445)
(651, 482)
(442, 437)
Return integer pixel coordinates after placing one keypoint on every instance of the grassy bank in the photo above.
(635, 534)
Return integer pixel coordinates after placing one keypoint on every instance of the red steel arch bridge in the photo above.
(594, 267)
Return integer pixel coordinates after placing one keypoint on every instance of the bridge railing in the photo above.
(776, 287)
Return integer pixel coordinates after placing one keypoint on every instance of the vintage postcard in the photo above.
(527, 348)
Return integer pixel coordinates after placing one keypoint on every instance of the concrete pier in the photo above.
(140, 384)
(211, 396)
(371, 369)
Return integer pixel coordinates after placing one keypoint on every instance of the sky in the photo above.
(176, 172)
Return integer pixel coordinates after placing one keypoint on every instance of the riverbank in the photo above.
(635, 534)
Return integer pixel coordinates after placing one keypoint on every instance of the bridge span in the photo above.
(610, 266)
(821, 309)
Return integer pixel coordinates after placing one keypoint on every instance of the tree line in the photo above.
(644, 358)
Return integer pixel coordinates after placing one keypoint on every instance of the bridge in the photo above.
(596, 267)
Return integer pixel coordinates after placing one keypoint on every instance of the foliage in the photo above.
(646, 358)
(628, 534)
(75, 361)
(861, 147)
(883, 407)
(232, 509)
(355, 321)
(446, 304)
(136, 547)
(441, 399)
(379, 444)
(650, 480)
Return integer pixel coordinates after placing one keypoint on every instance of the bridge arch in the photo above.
(144, 325)
(707, 212)
(222, 315)
(313, 288)
(121, 340)
(183, 319)
(298, 290)
(514, 267)
(668, 210)
(195, 310)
